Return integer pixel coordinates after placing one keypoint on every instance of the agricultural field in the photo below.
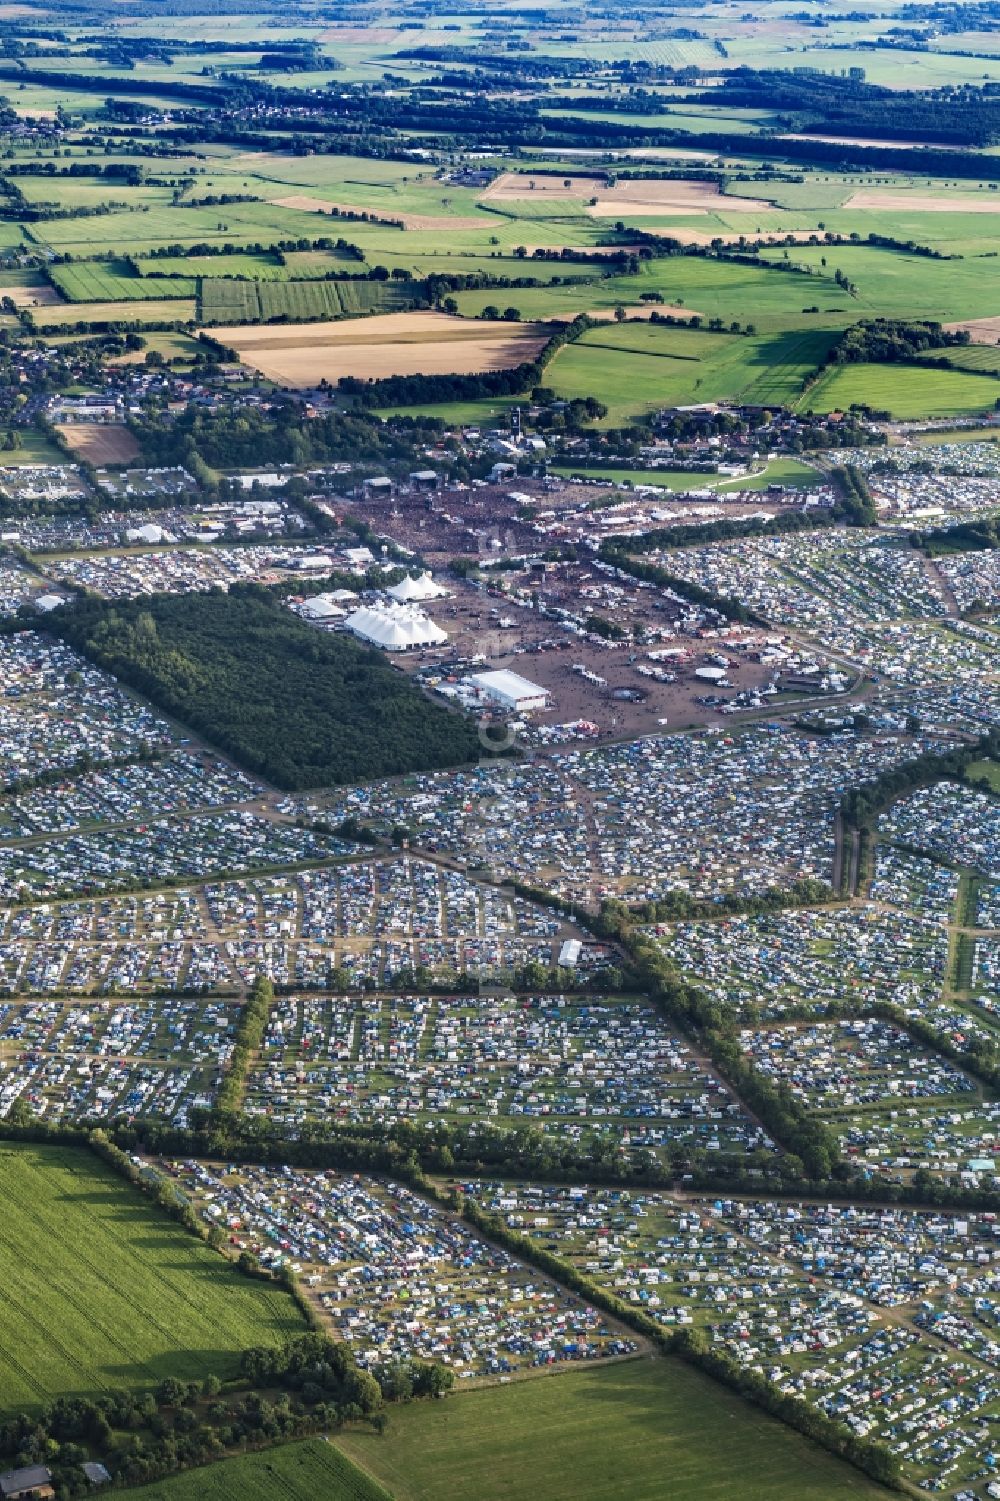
(98, 283)
(101, 1291)
(100, 443)
(225, 301)
(598, 1434)
(163, 310)
(903, 393)
(299, 1472)
(415, 343)
(638, 367)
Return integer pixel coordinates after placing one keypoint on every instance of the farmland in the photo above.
(88, 283)
(640, 367)
(300, 1472)
(112, 1293)
(98, 443)
(224, 301)
(903, 393)
(389, 344)
(590, 1435)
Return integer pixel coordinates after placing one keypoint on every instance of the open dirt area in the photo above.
(388, 344)
(99, 443)
(980, 330)
(503, 626)
(924, 203)
(40, 296)
(309, 205)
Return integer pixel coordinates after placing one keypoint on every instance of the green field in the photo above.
(781, 471)
(640, 1431)
(297, 301)
(310, 1471)
(99, 1290)
(636, 368)
(984, 774)
(103, 283)
(905, 391)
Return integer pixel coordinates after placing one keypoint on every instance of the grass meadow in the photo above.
(102, 1291)
(635, 368)
(310, 1471)
(642, 1430)
(905, 391)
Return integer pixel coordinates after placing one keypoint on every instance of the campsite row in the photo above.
(397, 1277)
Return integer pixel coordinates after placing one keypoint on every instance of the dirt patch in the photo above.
(389, 344)
(100, 443)
(40, 296)
(308, 205)
(924, 203)
(685, 236)
(644, 310)
(517, 185)
(980, 330)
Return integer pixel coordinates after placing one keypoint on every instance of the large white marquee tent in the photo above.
(395, 627)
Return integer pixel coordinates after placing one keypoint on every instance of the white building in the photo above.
(509, 690)
(321, 610)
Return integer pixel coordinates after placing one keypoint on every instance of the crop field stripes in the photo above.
(231, 301)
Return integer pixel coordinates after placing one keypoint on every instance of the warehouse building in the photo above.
(509, 690)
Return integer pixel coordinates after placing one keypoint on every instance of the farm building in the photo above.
(33, 1480)
(510, 690)
(395, 627)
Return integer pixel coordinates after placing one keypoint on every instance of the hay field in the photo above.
(102, 1291)
(637, 198)
(422, 343)
(41, 295)
(100, 443)
(925, 203)
(179, 309)
(980, 330)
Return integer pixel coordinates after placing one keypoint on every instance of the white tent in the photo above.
(321, 608)
(394, 627)
(411, 589)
